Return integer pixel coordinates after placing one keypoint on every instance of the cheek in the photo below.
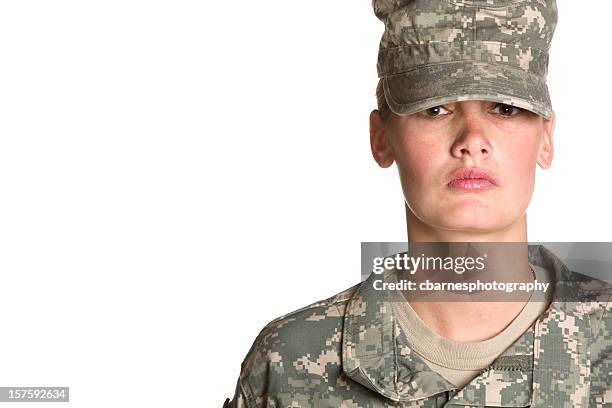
(520, 164)
(418, 163)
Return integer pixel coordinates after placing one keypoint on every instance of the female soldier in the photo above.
(464, 112)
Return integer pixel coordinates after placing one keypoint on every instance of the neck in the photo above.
(470, 319)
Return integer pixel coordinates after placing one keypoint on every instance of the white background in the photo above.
(176, 174)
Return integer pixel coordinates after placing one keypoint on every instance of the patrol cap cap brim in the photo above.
(437, 84)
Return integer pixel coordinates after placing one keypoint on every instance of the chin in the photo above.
(473, 215)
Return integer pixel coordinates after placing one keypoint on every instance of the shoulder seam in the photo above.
(604, 314)
(330, 301)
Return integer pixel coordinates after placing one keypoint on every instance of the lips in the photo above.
(471, 180)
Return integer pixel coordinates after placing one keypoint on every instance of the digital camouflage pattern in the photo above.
(348, 351)
(434, 52)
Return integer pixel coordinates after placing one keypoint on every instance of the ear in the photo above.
(379, 142)
(546, 150)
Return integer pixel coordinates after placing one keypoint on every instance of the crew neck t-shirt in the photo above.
(460, 362)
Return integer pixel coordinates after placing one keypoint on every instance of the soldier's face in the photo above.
(496, 146)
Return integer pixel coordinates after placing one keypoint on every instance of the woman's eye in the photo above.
(506, 110)
(436, 111)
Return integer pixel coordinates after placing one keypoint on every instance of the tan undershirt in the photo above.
(459, 362)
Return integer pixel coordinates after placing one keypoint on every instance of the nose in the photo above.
(471, 141)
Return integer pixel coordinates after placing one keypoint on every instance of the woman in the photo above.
(464, 112)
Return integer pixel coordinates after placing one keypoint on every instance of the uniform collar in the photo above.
(377, 354)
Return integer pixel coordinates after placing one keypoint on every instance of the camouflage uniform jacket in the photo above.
(348, 351)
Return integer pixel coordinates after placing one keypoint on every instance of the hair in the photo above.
(383, 108)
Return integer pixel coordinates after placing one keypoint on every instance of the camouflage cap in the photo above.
(440, 51)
